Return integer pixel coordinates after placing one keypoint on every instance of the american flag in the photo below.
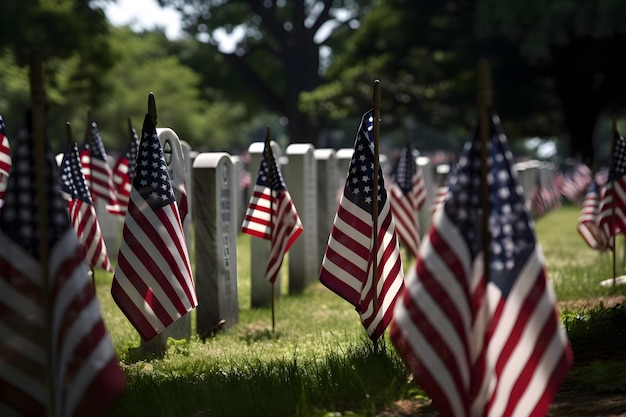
(123, 173)
(589, 219)
(347, 267)
(5, 160)
(483, 348)
(96, 169)
(271, 214)
(153, 284)
(613, 207)
(82, 212)
(50, 319)
(408, 194)
(575, 184)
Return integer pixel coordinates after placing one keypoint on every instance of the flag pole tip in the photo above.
(376, 95)
(68, 133)
(152, 108)
(268, 135)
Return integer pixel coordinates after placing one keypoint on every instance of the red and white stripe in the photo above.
(347, 264)
(122, 184)
(153, 282)
(87, 227)
(405, 209)
(99, 177)
(589, 220)
(5, 165)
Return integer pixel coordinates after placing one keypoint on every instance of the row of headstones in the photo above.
(217, 204)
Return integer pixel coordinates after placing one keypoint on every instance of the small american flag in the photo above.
(271, 214)
(123, 173)
(153, 284)
(347, 265)
(82, 212)
(52, 327)
(5, 160)
(613, 207)
(575, 184)
(589, 219)
(96, 169)
(483, 348)
(408, 194)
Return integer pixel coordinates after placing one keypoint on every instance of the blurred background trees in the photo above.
(306, 68)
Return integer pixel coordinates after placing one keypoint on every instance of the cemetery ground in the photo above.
(318, 362)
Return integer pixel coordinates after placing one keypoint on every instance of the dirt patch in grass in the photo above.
(590, 303)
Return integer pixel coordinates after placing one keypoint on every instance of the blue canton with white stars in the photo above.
(3, 129)
(269, 175)
(511, 235)
(20, 217)
(619, 158)
(72, 178)
(360, 182)
(405, 169)
(152, 179)
(131, 154)
(96, 149)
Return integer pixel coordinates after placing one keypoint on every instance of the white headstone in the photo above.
(216, 227)
(301, 180)
(328, 183)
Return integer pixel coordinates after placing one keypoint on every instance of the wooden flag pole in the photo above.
(267, 151)
(612, 223)
(153, 116)
(131, 134)
(89, 135)
(70, 143)
(36, 123)
(376, 106)
(485, 101)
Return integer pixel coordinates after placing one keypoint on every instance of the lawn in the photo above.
(318, 361)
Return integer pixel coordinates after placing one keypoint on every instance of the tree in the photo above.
(277, 54)
(39, 34)
(556, 66)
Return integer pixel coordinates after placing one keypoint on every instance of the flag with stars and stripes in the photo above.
(347, 267)
(483, 341)
(123, 173)
(613, 207)
(82, 212)
(57, 357)
(408, 194)
(589, 219)
(271, 214)
(96, 169)
(153, 284)
(5, 160)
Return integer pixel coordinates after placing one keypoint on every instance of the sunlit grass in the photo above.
(317, 361)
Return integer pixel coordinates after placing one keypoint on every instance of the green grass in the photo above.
(318, 361)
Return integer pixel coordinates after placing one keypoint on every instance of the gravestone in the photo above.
(328, 182)
(344, 156)
(239, 202)
(188, 164)
(425, 214)
(260, 288)
(216, 228)
(301, 181)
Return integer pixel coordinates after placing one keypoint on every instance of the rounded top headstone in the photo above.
(324, 153)
(210, 159)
